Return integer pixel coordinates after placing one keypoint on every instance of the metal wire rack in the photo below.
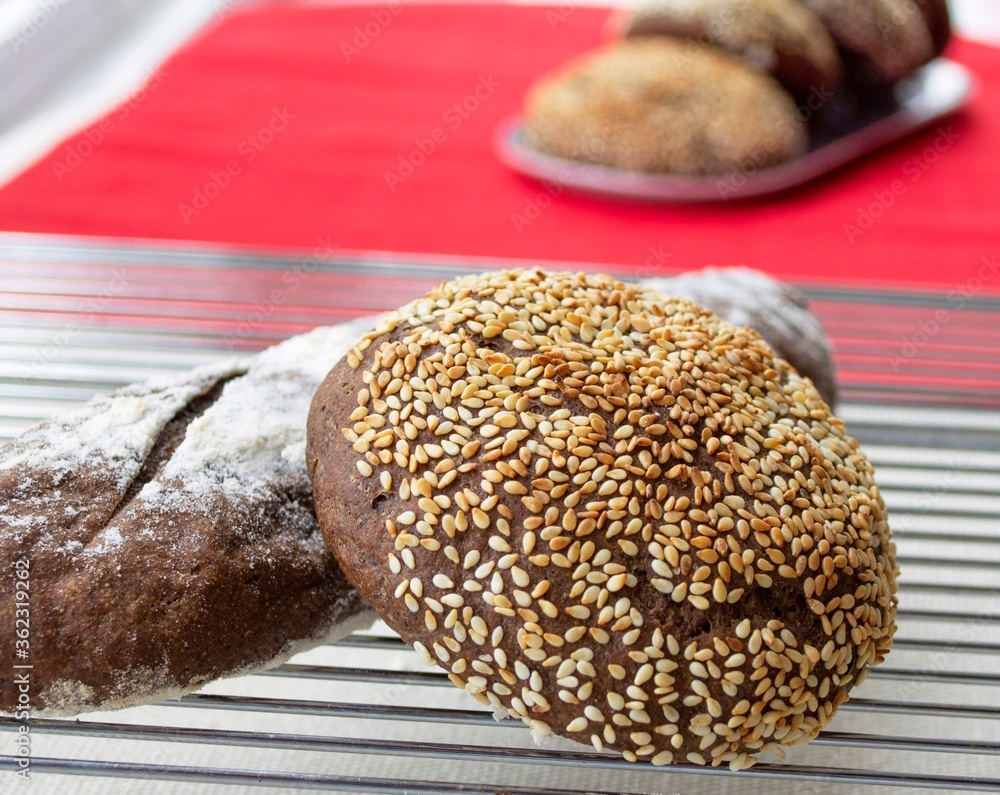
(920, 379)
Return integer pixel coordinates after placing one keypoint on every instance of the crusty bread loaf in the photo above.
(610, 514)
(168, 534)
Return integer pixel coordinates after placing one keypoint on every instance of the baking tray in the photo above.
(933, 93)
(366, 715)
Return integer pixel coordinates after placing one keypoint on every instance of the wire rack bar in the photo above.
(304, 742)
(376, 786)
(479, 718)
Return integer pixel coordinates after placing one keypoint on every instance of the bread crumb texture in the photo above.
(608, 513)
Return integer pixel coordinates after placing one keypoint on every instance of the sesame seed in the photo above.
(699, 602)
(644, 674)
(573, 634)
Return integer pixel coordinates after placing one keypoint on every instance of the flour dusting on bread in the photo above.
(170, 532)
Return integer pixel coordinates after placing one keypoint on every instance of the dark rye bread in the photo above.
(778, 36)
(169, 534)
(608, 513)
(885, 40)
(938, 19)
(777, 311)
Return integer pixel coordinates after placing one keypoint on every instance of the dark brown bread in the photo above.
(938, 20)
(168, 535)
(779, 36)
(664, 105)
(889, 39)
(777, 311)
(607, 513)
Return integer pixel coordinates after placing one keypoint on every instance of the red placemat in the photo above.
(371, 128)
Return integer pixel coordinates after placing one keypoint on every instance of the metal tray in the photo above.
(936, 91)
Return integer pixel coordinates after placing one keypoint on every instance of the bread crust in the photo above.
(608, 513)
(778, 36)
(938, 19)
(168, 534)
(891, 37)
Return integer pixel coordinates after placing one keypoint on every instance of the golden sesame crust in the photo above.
(663, 105)
(610, 514)
(778, 36)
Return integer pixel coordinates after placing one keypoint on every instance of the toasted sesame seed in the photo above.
(699, 602)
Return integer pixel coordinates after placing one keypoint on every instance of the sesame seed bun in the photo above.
(890, 37)
(778, 36)
(664, 105)
(608, 513)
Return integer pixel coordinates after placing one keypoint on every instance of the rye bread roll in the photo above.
(610, 514)
(168, 535)
(782, 37)
(886, 40)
